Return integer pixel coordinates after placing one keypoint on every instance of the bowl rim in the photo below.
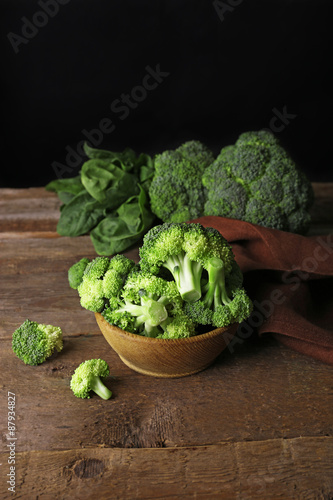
(189, 340)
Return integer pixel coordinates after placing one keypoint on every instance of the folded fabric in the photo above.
(290, 280)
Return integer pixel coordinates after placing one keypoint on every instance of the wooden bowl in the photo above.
(166, 357)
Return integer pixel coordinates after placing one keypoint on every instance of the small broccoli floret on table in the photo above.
(34, 342)
(87, 378)
(256, 180)
(176, 191)
(185, 250)
(75, 273)
(150, 306)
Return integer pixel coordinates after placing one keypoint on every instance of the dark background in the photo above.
(228, 73)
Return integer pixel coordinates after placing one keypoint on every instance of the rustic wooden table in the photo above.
(257, 424)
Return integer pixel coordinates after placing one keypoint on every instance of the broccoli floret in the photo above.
(224, 301)
(257, 181)
(75, 273)
(180, 326)
(91, 287)
(150, 306)
(34, 342)
(102, 280)
(185, 250)
(114, 278)
(176, 191)
(87, 378)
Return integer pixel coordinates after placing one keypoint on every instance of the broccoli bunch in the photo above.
(87, 378)
(186, 276)
(34, 342)
(176, 191)
(151, 306)
(254, 180)
(99, 280)
(202, 264)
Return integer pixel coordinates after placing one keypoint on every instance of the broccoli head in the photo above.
(176, 191)
(75, 273)
(87, 378)
(150, 306)
(257, 181)
(34, 342)
(102, 279)
(185, 250)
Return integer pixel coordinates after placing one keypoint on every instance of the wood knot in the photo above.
(89, 467)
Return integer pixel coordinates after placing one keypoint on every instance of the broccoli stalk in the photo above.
(187, 275)
(34, 342)
(185, 250)
(224, 300)
(151, 313)
(87, 378)
(215, 290)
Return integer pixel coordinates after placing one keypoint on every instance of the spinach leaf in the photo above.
(125, 160)
(80, 215)
(66, 189)
(104, 180)
(123, 228)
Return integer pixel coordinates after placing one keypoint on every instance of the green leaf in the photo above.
(108, 183)
(126, 159)
(80, 215)
(125, 227)
(72, 185)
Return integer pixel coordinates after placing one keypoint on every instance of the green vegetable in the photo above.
(176, 191)
(256, 180)
(253, 180)
(124, 227)
(87, 378)
(203, 266)
(75, 273)
(150, 306)
(66, 188)
(185, 250)
(101, 280)
(108, 199)
(80, 215)
(34, 342)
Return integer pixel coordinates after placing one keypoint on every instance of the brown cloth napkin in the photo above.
(290, 280)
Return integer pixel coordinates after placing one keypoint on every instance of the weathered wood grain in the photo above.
(34, 282)
(261, 391)
(283, 469)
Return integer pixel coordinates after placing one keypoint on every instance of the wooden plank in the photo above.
(28, 209)
(34, 282)
(299, 468)
(261, 391)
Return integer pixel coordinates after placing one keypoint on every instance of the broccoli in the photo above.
(257, 181)
(34, 342)
(176, 191)
(86, 378)
(203, 266)
(185, 250)
(102, 279)
(75, 273)
(150, 306)
(224, 300)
